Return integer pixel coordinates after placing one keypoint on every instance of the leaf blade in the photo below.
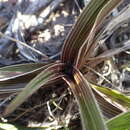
(18, 71)
(81, 30)
(90, 43)
(89, 110)
(114, 95)
(121, 122)
(51, 73)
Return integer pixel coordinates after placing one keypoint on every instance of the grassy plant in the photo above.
(78, 49)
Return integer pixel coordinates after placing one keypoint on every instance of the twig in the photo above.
(76, 2)
(49, 110)
(24, 44)
(99, 74)
(7, 99)
(35, 107)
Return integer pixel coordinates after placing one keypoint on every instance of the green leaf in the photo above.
(10, 84)
(22, 67)
(46, 76)
(121, 122)
(14, 71)
(7, 126)
(114, 95)
(89, 110)
(13, 86)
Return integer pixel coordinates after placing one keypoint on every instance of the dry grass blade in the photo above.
(24, 44)
(100, 75)
(51, 73)
(112, 52)
(122, 18)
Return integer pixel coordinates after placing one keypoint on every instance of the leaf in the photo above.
(122, 18)
(49, 74)
(81, 30)
(114, 95)
(7, 126)
(15, 71)
(13, 86)
(9, 87)
(109, 109)
(90, 113)
(90, 43)
(112, 52)
(22, 67)
(10, 84)
(121, 122)
(114, 24)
